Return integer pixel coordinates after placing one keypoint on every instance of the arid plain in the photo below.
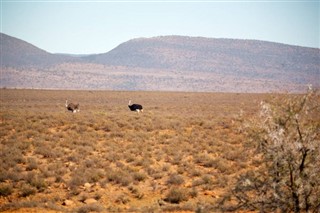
(182, 153)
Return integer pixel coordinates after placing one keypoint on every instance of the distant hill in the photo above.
(175, 63)
(248, 58)
(18, 53)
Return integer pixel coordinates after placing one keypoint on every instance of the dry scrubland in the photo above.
(183, 153)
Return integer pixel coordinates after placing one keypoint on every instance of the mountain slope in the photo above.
(250, 60)
(214, 55)
(174, 63)
(18, 53)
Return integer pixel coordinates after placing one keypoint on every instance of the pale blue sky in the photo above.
(99, 26)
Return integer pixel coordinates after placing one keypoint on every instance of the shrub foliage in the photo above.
(286, 135)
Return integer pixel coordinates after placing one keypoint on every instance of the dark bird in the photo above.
(135, 107)
(72, 107)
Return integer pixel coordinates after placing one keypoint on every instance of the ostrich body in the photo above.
(72, 107)
(135, 107)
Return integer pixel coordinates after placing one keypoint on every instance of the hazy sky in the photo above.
(84, 27)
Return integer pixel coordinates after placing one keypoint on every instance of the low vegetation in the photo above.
(186, 151)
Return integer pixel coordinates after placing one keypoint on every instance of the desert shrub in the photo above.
(181, 169)
(74, 157)
(13, 206)
(139, 176)
(89, 163)
(10, 175)
(194, 172)
(97, 196)
(119, 177)
(176, 195)
(83, 175)
(203, 159)
(57, 169)
(207, 179)
(234, 155)
(222, 181)
(31, 164)
(83, 196)
(211, 162)
(130, 158)
(155, 174)
(287, 139)
(11, 156)
(204, 180)
(166, 167)
(76, 181)
(136, 192)
(5, 189)
(33, 132)
(39, 183)
(112, 156)
(224, 166)
(139, 161)
(117, 134)
(197, 182)
(194, 192)
(122, 199)
(44, 148)
(94, 207)
(27, 190)
(175, 179)
(35, 180)
(94, 175)
(177, 158)
(206, 160)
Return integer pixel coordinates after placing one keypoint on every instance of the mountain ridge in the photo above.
(17, 52)
(135, 51)
(178, 63)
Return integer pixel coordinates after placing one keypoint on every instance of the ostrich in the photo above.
(72, 107)
(135, 107)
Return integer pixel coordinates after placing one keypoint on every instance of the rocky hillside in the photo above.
(175, 63)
